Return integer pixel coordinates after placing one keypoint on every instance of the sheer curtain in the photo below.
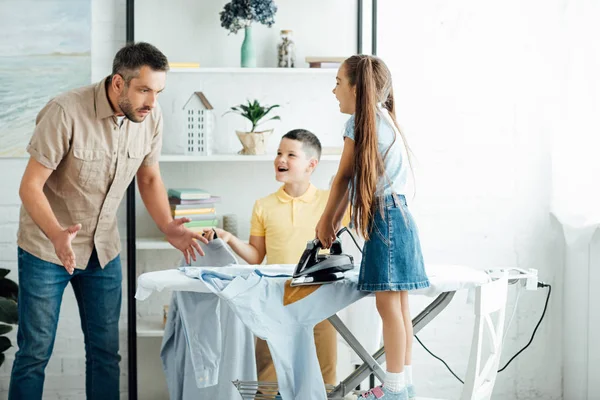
(576, 196)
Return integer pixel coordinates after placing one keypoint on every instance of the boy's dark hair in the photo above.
(310, 142)
(134, 56)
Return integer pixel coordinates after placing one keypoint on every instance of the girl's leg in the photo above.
(408, 327)
(394, 332)
(394, 340)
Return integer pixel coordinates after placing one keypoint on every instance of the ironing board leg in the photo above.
(362, 372)
(357, 347)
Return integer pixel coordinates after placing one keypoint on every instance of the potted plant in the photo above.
(9, 292)
(238, 14)
(254, 142)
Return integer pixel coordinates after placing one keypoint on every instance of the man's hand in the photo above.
(62, 246)
(209, 234)
(183, 239)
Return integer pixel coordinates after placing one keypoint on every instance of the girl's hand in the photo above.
(337, 227)
(325, 232)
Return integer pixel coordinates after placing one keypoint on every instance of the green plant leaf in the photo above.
(9, 289)
(253, 111)
(270, 108)
(257, 114)
(8, 311)
(5, 344)
(4, 272)
(4, 329)
(266, 120)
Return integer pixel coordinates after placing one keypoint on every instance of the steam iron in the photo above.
(319, 269)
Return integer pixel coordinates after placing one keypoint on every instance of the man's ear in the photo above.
(118, 83)
(313, 164)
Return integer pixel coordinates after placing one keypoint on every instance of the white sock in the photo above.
(394, 382)
(408, 374)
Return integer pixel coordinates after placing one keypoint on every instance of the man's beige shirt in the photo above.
(93, 161)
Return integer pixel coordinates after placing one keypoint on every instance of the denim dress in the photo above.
(392, 258)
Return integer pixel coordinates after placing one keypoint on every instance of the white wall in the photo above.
(476, 84)
(190, 31)
(305, 101)
(65, 375)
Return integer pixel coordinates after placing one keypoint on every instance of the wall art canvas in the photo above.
(45, 49)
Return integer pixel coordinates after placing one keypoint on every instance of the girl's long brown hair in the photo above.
(373, 82)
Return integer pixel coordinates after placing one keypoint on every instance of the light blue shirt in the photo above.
(396, 161)
(205, 346)
(258, 302)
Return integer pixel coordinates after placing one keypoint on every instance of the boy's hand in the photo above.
(183, 239)
(209, 234)
(325, 232)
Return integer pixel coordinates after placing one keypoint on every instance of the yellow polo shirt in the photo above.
(288, 223)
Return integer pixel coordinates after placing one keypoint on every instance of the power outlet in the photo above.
(532, 279)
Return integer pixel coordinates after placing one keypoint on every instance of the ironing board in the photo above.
(445, 281)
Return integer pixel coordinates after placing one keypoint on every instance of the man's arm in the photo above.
(154, 195)
(253, 252)
(156, 201)
(36, 203)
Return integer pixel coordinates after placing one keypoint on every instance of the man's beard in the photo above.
(127, 108)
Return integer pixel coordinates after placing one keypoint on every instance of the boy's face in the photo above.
(292, 164)
(344, 92)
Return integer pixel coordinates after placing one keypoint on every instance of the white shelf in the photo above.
(232, 157)
(279, 71)
(150, 327)
(153, 244)
(157, 244)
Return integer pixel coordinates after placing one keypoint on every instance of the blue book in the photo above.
(189, 194)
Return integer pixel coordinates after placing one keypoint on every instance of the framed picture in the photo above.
(44, 51)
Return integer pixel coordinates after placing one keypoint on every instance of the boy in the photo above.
(282, 224)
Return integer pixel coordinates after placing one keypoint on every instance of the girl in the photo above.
(373, 176)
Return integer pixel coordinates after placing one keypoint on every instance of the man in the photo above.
(87, 146)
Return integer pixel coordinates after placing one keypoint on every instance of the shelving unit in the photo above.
(150, 243)
(153, 244)
(254, 71)
(233, 158)
(153, 327)
(150, 327)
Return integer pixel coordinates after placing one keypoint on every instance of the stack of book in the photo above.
(197, 205)
(175, 65)
(324, 62)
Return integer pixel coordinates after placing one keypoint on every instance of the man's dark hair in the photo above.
(134, 56)
(310, 142)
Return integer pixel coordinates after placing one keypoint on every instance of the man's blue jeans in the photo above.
(98, 293)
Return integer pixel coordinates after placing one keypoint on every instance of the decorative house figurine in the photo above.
(199, 125)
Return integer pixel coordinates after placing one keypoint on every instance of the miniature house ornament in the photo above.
(199, 125)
